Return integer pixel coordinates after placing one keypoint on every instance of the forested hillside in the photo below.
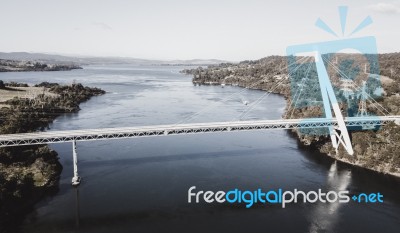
(377, 149)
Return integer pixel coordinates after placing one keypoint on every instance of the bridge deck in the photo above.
(163, 130)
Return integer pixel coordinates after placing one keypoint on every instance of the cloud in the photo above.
(102, 25)
(385, 8)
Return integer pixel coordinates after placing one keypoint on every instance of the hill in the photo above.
(378, 150)
(91, 60)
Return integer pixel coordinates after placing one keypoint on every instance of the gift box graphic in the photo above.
(313, 85)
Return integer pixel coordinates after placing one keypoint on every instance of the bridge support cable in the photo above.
(375, 103)
(267, 93)
(194, 115)
(76, 179)
(298, 94)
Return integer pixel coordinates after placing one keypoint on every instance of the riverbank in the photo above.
(29, 173)
(374, 150)
(28, 66)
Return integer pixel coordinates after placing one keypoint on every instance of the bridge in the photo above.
(333, 121)
(38, 138)
(73, 136)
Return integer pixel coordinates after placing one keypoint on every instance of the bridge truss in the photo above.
(196, 128)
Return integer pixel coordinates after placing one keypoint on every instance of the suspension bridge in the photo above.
(337, 125)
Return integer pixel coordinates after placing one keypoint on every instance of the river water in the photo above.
(141, 185)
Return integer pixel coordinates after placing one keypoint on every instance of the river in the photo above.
(141, 185)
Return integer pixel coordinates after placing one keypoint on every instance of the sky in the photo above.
(231, 30)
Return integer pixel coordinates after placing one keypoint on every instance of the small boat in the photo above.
(222, 85)
(245, 102)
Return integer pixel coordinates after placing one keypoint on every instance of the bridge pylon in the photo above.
(76, 180)
(339, 134)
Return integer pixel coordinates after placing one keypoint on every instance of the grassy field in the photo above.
(22, 92)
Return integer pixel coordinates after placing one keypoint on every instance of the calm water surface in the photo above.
(140, 185)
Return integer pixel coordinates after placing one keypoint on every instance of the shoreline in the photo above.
(394, 175)
(335, 157)
(33, 66)
(30, 173)
(341, 160)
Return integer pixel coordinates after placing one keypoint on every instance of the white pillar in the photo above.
(76, 179)
(329, 100)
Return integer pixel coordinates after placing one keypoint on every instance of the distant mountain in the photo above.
(48, 58)
(53, 59)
